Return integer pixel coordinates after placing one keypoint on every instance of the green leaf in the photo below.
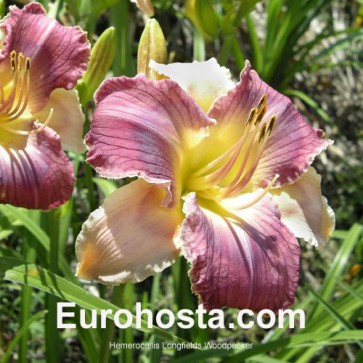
(309, 101)
(22, 215)
(339, 264)
(300, 340)
(335, 314)
(31, 275)
(5, 233)
(106, 186)
(24, 328)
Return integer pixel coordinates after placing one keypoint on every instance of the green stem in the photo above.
(90, 187)
(226, 49)
(25, 305)
(2, 8)
(126, 335)
(198, 46)
(238, 53)
(183, 298)
(119, 18)
(55, 10)
(109, 333)
(50, 221)
(229, 37)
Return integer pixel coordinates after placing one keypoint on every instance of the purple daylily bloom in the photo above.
(40, 62)
(224, 178)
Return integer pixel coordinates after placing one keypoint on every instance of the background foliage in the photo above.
(310, 50)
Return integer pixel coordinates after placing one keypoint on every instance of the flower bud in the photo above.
(203, 16)
(2, 8)
(151, 47)
(101, 58)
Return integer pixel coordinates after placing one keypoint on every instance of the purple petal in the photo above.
(35, 172)
(293, 143)
(143, 128)
(249, 260)
(58, 54)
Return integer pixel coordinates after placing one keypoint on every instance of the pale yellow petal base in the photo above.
(130, 237)
(304, 210)
(67, 118)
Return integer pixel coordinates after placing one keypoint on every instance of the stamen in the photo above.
(23, 97)
(228, 175)
(13, 105)
(32, 132)
(244, 176)
(14, 131)
(215, 162)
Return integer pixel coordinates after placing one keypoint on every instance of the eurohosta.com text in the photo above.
(184, 318)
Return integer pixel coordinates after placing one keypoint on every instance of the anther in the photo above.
(20, 61)
(27, 64)
(13, 60)
(261, 113)
(271, 124)
(262, 133)
(251, 116)
(262, 102)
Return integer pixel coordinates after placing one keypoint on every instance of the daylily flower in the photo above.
(40, 62)
(224, 178)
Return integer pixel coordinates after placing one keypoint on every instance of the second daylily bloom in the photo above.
(40, 62)
(224, 178)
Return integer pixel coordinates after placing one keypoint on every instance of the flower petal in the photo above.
(128, 238)
(34, 171)
(58, 54)
(143, 128)
(67, 118)
(293, 143)
(250, 260)
(304, 211)
(204, 81)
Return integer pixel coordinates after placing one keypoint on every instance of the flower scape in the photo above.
(40, 63)
(224, 178)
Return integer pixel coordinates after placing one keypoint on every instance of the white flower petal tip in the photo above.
(204, 81)
(304, 211)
